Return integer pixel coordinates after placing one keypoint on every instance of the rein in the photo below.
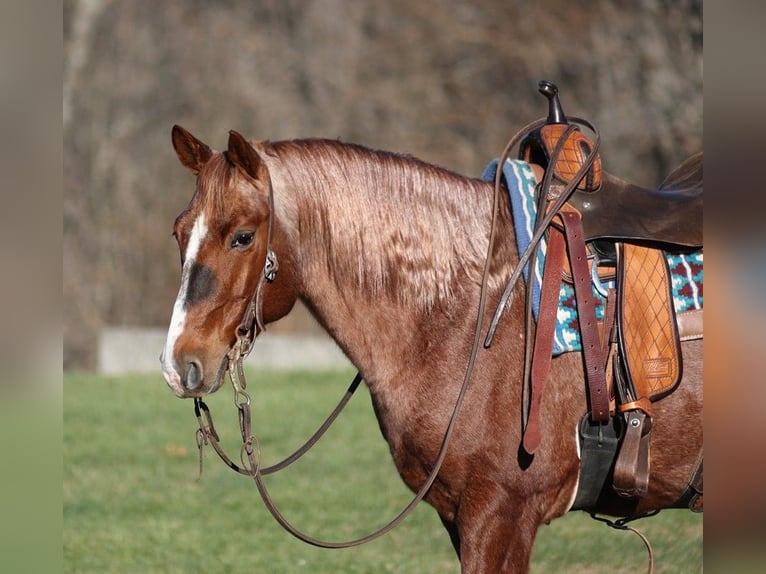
(253, 320)
(207, 433)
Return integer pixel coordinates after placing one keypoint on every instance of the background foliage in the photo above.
(446, 80)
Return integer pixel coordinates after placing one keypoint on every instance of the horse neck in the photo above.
(387, 255)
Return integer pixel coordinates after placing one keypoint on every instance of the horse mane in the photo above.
(399, 227)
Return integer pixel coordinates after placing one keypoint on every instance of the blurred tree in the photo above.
(446, 80)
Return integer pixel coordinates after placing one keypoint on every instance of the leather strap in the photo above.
(690, 325)
(608, 325)
(631, 470)
(593, 352)
(695, 487)
(586, 316)
(643, 403)
(546, 325)
(609, 345)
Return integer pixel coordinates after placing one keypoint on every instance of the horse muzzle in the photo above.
(191, 379)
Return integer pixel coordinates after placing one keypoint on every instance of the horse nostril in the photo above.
(193, 375)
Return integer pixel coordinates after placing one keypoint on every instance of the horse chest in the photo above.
(410, 424)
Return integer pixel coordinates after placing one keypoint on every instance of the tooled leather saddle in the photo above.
(620, 232)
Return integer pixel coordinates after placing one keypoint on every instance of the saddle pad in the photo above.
(686, 269)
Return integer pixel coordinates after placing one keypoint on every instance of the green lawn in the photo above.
(133, 501)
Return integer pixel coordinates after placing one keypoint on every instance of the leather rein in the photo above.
(252, 322)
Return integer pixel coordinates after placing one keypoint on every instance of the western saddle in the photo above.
(633, 357)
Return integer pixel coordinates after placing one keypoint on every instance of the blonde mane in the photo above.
(393, 225)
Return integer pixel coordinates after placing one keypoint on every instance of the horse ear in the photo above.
(192, 153)
(244, 156)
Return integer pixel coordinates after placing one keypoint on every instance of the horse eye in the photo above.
(242, 239)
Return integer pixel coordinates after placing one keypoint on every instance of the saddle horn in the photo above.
(555, 111)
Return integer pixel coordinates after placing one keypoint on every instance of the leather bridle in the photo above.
(252, 321)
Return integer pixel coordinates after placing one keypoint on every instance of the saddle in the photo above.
(617, 231)
(613, 209)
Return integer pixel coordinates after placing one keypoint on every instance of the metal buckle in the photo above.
(270, 266)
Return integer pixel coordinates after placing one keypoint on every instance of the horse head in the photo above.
(222, 236)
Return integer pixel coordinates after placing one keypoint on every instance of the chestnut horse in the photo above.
(388, 254)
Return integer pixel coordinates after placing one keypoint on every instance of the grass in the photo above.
(133, 501)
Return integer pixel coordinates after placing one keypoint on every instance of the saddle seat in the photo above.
(670, 215)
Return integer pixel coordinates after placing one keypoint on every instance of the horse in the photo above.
(388, 253)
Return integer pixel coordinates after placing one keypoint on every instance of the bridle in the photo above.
(252, 321)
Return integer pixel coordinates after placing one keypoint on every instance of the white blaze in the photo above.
(178, 319)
